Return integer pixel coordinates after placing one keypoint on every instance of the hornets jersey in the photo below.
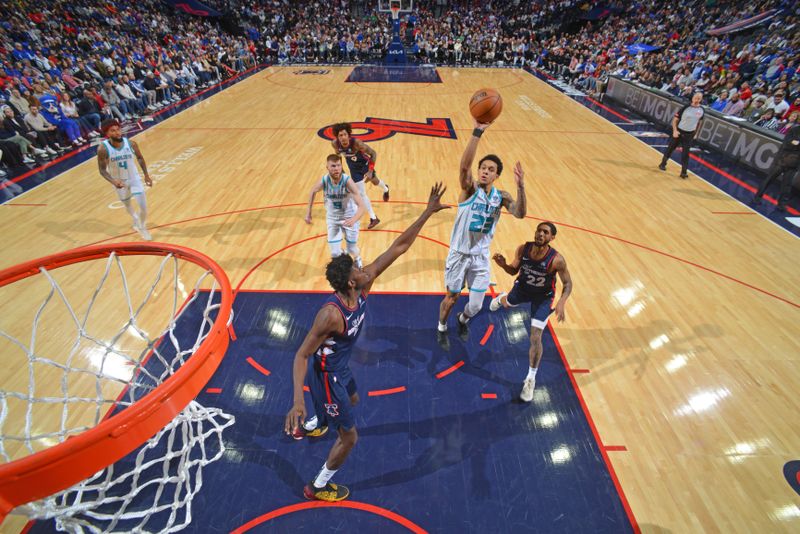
(338, 201)
(122, 164)
(476, 221)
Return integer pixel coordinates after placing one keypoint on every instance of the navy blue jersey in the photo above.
(334, 353)
(534, 277)
(357, 162)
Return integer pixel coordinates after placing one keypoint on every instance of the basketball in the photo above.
(486, 105)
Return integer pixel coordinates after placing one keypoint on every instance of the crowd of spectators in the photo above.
(753, 76)
(67, 64)
(456, 32)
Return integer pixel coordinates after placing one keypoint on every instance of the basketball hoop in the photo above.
(395, 10)
(155, 407)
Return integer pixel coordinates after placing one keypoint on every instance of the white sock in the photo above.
(532, 373)
(142, 215)
(132, 212)
(366, 200)
(383, 185)
(442, 327)
(324, 476)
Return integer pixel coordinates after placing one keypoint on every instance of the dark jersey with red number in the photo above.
(357, 161)
(334, 353)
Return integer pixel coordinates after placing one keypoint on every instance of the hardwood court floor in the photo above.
(686, 319)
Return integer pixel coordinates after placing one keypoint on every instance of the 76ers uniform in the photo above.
(468, 259)
(331, 381)
(535, 285)
(122, 167)
(357, 162)
(339, 206)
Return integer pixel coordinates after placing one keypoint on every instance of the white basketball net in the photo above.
(151, 489)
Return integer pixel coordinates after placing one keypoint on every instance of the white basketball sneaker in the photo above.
(496, 304)
(311, 424)
(527, 389)
(144, 233)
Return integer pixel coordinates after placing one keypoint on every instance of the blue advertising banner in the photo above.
(635, 48)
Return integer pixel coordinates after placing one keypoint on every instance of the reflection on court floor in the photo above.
(444, 443)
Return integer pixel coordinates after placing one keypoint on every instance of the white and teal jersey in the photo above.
(122, 162)
(476, 220)
(339, 202)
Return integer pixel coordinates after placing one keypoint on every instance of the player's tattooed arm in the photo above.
(361, 146)
(465, 167)
(102, 165)
(513, 267)
(327, 322)
(142, 164)
(560, 266)
(519, 207)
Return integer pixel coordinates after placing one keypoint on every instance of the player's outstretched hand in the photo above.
(307, 219)
(499, 259)
(519, 174)
(294, 418)
(148, 181)
(481, 125)
(434, 201)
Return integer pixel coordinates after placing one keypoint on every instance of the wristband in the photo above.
(371, 165)
(477, 132)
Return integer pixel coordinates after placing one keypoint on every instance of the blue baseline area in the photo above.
(437, 454)
(398, 74)
(644, 130)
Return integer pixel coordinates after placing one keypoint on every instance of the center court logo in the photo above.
(380, 129)
(792, 473)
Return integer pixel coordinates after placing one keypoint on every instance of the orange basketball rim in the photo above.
(78, 457)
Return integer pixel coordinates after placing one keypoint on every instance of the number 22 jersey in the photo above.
(534, 276)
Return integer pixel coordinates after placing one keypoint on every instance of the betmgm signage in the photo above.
(747, 145)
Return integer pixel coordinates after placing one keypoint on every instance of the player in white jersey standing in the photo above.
(115, 158)
(344, 206)
(479, 206)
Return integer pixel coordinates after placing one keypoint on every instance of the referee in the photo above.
(685, 125)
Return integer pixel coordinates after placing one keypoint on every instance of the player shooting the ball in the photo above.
(479, 206)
